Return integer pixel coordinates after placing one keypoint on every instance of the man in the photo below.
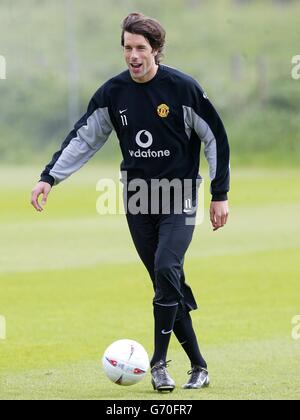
(161, 116)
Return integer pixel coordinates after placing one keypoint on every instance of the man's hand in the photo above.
(41, 188)
(219, 213)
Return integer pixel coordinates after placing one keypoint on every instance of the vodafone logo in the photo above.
(146, 134)
(144, 140)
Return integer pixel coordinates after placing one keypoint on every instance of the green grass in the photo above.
(71, 283)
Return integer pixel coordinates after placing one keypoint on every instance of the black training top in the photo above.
(160, 126)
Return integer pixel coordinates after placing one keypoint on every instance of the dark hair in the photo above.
(151, 29)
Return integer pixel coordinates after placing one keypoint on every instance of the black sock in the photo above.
(164, 318)
(186, 336)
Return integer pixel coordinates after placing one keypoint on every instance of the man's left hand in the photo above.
(219, 212)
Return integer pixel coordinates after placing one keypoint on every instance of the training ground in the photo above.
(71, 283)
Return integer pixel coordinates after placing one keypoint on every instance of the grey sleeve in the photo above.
(205, 121)
(88, 136)
(194, 122)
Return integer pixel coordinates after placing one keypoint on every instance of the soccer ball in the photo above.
(125, 362)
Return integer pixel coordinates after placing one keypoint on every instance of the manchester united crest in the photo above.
(163, 110)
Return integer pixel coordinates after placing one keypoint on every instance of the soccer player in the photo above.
(161, 117)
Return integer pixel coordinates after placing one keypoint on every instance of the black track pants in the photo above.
(161, 242)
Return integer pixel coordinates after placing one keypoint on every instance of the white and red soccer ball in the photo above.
(125, 362)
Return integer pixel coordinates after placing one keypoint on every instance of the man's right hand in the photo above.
(41, 188)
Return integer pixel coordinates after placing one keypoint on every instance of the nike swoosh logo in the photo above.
(122, 112)
(164, 332)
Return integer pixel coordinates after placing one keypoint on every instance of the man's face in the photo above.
(140, 57)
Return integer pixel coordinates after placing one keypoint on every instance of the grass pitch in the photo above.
(71, 283)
